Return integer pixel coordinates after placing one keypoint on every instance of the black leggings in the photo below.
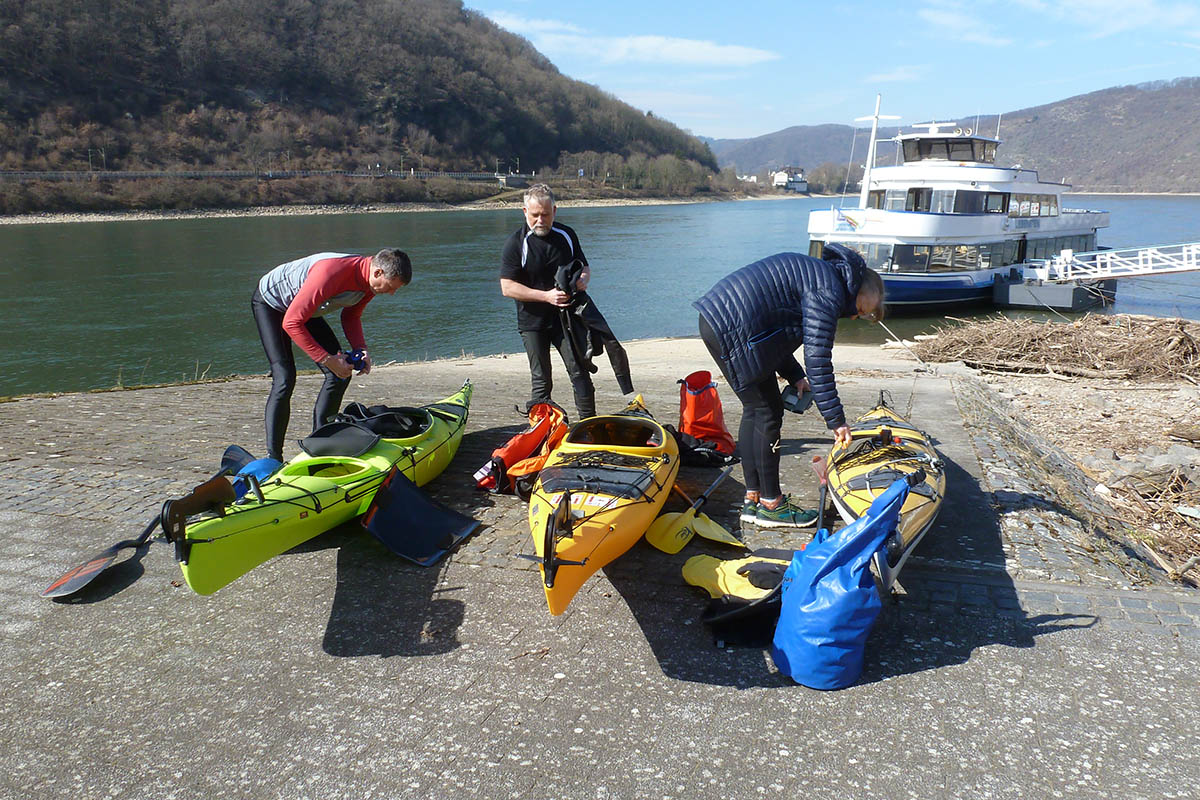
(762, 420)
(537, 347)
(278, 346)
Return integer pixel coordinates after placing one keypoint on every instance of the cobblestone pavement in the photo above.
(1028, 653)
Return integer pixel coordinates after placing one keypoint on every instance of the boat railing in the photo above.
(1126, 263)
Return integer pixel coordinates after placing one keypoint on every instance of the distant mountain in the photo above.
(310, 84)
(1127, 138)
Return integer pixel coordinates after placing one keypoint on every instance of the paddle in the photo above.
(76, 578)
(670, 532)
(819, 467)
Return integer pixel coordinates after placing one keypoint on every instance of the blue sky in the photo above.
(742, 69)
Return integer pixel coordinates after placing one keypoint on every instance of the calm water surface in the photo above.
(95, 305)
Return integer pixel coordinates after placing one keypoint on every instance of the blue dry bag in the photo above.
(829, 599)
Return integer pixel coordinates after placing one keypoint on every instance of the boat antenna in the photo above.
(866, 180)
(998, 118)
(849, 166)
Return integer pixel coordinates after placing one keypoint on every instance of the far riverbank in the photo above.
(509, 200)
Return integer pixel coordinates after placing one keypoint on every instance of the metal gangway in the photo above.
(1129, 262)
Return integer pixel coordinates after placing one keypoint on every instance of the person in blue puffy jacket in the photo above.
(752, 322)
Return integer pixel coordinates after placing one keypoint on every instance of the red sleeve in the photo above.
(328, 277)
(352, 323)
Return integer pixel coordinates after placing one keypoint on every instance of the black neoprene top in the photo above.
(533, 261)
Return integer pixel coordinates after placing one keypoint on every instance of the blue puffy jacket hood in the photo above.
(765, 311)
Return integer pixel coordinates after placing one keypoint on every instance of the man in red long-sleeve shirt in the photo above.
(289, 305)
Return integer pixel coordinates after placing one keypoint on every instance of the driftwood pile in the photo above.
(1093, 346)
(1156, 494)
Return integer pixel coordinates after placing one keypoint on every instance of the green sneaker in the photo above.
(750, 512)
(787, 515)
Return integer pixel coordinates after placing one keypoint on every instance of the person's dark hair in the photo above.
(541, 192)
(872, 285)
(394, 263)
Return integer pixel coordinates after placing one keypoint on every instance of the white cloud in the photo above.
(559, 38)
(901, 73)
(524, 26)
(953, 21)
(1102, 18)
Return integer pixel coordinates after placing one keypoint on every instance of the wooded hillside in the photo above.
(1127, 138)
(300, 84)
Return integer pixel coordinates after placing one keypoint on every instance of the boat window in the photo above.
(910, 258)
(995, 202)
(966, 256)
(968, 202)
(894, 200)
(985, 152)
(1033, 205)
(911, 152)
(934, 148)
(943, 201)
(918, 199)
(961, 150)
(1041, 248)
(1012, 252)
(942, 258)
(878, 255)
(875, 198)
(814, 248)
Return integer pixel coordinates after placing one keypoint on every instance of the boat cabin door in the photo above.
(918, 199)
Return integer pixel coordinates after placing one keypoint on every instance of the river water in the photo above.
(93, 305)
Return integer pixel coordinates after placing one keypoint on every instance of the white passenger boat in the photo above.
(943, 223)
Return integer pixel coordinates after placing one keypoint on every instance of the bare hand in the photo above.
(338, 365)
(803, 385)
(557, 297)
(841, 435)
(581, 283)
(366, 359)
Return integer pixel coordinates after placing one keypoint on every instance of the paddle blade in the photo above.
(76, 578)
(714, 531)
(234, 459)
(412, 524)
(670, 532)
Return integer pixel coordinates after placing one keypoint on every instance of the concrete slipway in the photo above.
(1030, 656)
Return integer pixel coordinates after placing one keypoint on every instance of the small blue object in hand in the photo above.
(357, 358)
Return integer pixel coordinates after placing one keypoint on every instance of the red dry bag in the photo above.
(700, 413)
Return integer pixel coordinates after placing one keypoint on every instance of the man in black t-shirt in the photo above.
(531, 258)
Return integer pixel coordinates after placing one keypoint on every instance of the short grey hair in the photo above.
(540, 192)
(394, 263)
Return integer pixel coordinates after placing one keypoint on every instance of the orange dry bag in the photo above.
(700, 413)
(526, 452)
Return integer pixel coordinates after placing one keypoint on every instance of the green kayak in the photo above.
(314, 493)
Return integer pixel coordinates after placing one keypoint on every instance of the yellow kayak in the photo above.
(883, 447)
(597, 494)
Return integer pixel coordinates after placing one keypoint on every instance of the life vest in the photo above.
(700, 412)
(518, 460)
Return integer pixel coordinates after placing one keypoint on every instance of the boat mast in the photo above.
(866, 179)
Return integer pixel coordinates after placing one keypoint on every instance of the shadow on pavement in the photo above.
(387, 606)
(946, 612)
